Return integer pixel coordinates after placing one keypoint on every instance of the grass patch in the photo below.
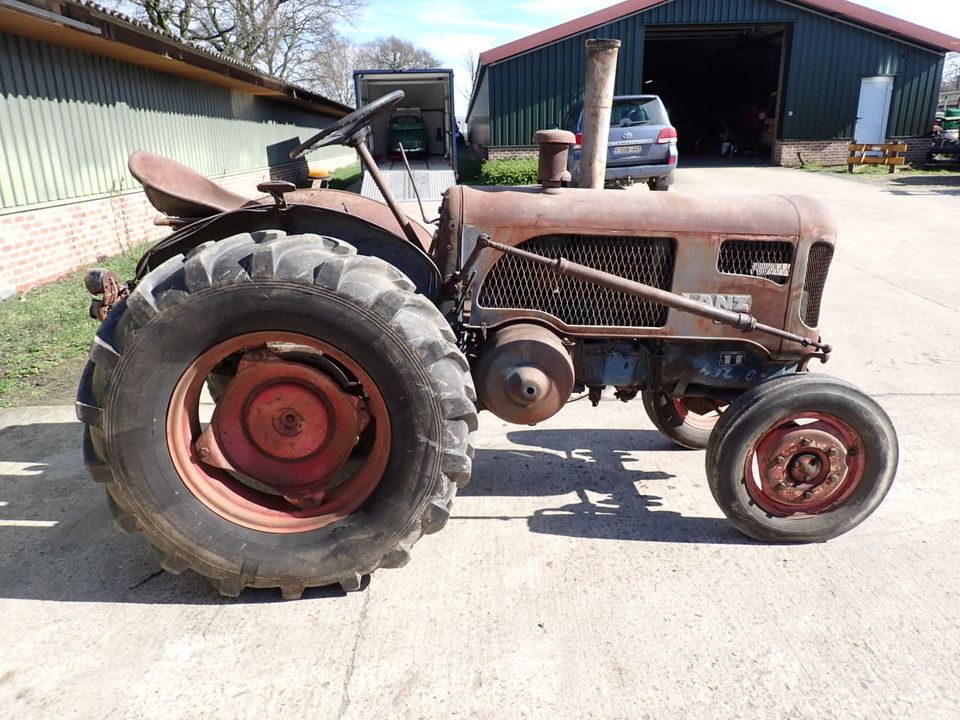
(344, 177)
(870, 170)
(48, 327)
(512, 171)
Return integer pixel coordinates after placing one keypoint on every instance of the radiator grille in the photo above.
(818, 265)
(763, 258)
(518, 283)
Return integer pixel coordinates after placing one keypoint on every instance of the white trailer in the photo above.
(430, 92)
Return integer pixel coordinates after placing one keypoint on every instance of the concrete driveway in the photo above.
(586, 573)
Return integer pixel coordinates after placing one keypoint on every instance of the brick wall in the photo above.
(518, 151)
(836, 152)
(814, 152)
(43, 244)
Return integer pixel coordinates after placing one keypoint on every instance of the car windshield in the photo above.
(637, 111)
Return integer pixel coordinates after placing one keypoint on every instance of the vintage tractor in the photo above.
(284, 394)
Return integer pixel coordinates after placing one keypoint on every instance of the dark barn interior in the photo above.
(721, 85)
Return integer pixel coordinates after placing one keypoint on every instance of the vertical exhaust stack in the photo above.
(554, 149)
(597, 106)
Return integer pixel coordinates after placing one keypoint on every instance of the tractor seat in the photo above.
(178, 191)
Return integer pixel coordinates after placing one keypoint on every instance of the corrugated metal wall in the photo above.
(827, 60)
(69, 120)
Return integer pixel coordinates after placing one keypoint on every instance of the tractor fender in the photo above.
(364, 223)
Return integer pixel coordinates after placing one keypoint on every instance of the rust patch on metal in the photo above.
(805, 465)
(106, 283)
(289, 449)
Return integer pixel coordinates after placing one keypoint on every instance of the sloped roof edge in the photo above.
(90, 27)
(842, 9)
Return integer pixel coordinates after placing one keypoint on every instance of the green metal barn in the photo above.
(768, 77)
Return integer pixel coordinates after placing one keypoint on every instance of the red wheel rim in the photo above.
(699, 412)
(289, 449)
(804, 465)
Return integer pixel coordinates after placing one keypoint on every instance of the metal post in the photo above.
(597, 106)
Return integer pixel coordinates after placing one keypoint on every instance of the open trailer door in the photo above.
(424, 123)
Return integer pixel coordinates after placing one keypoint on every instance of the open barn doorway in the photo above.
(722, 85)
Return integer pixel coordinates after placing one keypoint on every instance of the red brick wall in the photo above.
(836, 152)
(43, 244)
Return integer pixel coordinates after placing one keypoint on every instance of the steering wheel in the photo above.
(345, 128)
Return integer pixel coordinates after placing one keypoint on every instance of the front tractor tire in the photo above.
(802, 458)
(341, 427)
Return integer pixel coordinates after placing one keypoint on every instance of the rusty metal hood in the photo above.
(616, 212)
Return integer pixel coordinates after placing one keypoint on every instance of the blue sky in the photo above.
(450, 28)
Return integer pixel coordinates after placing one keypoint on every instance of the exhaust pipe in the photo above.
(597, 107)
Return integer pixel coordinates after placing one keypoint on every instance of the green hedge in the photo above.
(512, 171)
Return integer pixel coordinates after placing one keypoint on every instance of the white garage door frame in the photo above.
(873, 110)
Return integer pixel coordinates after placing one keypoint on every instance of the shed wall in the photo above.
(826, 62)
(69, 120)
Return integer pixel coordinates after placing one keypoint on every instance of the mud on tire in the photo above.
(312, 286)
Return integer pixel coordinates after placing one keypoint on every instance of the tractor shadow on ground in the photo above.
(614, 501)
(57, 541)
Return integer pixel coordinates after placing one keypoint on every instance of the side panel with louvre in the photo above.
(520, 284)
(760, 258)
(818, 265)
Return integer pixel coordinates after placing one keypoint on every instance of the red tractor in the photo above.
(285, 394)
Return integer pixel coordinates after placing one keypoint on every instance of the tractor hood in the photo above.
(614, 212)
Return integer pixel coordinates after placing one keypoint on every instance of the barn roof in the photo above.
(840, 9)
(86, 26)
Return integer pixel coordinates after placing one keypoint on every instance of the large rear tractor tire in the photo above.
(341, 427)
(802, 458)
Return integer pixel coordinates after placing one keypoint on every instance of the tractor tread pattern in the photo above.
(323, 261)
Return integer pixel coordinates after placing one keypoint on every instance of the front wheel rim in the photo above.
(294, 444)
(806, 464)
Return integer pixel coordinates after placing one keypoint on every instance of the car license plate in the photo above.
(628, 150)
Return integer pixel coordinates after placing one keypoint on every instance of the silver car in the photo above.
(642, 145)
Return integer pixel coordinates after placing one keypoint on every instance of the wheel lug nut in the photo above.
(779, 460)
(804, 442)
(781, 487)
(808, 495)
(832, 479)
(833, 452)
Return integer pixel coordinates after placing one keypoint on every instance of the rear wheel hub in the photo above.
(285, 426)
(297, 440)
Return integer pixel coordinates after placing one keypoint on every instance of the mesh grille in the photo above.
(764, 259)
(518, 283)
(818, 265)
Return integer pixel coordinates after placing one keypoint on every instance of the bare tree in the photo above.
(330, 72)
(393, 53)
(276, 36)
(951, 73)
(471, 62)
